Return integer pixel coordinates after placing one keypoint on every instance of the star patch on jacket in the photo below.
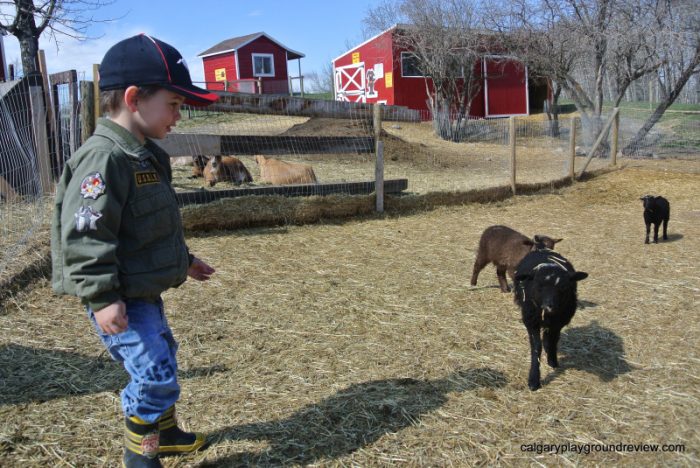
(92, 186)
(86, 219)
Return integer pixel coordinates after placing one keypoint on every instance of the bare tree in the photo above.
(446, 40)
(27, 20)
(681, 57)
(322, 81)
(582, 44)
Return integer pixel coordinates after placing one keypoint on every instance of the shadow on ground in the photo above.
(349, 420)
(593, 349)
(37, 375)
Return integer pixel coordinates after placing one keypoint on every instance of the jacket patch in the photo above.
(92, 186)
(147, 177)
(86, 219)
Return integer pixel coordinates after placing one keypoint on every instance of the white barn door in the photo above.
(350, 83)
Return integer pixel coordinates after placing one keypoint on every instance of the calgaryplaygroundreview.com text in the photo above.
(540, 448)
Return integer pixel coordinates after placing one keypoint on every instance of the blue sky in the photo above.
(320, 29)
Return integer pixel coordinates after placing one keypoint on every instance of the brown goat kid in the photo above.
(226, 168)
(279, 172)
(505, 248)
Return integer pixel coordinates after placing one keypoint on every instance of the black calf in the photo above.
(656, 211)
(545, 290)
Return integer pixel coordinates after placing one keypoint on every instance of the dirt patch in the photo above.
(319, 126)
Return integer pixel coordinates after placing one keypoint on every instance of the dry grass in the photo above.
(361, 344)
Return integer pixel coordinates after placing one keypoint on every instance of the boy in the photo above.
(117, 240)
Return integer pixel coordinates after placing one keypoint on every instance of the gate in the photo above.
(350, 83)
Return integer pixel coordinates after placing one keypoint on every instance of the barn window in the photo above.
(263, 65)
(410, 65)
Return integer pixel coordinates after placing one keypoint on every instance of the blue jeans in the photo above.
(147, 349)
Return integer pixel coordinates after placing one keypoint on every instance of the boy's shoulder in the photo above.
(96, 148)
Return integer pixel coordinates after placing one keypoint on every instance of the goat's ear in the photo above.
(523, 276)
(529, 241)
(578, 276)
(557, 240)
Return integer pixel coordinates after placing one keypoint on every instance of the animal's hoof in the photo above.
(553, 364)
(534, 386)
(646, 241)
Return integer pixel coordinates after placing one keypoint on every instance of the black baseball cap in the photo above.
(144, 60)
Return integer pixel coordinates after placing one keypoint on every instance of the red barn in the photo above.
(381, 71)
(255, 63)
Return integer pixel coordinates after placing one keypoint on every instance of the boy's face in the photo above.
(158, 113)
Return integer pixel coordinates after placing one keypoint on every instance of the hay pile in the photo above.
(361, 343)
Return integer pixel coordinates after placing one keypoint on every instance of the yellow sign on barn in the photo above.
(389, 79)
(220, 74)
(355, 57)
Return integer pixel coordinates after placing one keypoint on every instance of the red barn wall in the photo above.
(263, 45)
(506, 87)
(215, 62)
(411, 91)
(504, 93)
(376, 55)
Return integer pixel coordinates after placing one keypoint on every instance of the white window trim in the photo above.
(408, 76)
(272, 62)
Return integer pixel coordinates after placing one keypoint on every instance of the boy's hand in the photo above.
(112, 319)
(200, 270)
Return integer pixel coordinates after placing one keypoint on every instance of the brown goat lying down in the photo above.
(226, 168)
(505, 248)
(279, 172)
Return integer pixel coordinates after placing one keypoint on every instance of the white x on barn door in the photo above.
(350, 83)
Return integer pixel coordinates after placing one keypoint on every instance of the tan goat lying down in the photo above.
(279, 172)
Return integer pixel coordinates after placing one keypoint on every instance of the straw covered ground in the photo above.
(361, 343)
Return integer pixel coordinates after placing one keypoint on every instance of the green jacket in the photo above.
(116, 230)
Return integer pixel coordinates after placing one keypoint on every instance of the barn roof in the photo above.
(235, 43)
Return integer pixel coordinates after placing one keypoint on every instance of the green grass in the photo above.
(320, 96)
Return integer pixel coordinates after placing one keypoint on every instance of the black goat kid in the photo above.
(657, 210)
(545, 290)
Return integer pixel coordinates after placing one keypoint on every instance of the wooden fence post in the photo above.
(87, 110)
(615, 135)
(96, 93)
(41, 137)
(379, 150)
(572, 149)
(53, 135)
(511, 136)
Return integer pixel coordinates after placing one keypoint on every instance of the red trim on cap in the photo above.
(206, 96)
(167, 69)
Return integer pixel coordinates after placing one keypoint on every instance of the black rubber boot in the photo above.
(173, 440)
(141, 444)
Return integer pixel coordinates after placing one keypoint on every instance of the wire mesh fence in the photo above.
(280, 145)
(24, 209)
